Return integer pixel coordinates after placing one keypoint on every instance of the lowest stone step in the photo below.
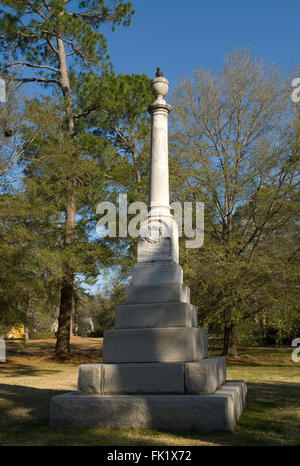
(218, 411)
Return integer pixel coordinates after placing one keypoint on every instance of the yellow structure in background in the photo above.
(16, 332)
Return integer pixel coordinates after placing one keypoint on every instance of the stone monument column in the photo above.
(159, 170)
(158, 240)
(155, 371)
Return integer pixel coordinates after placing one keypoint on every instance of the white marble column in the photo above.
(158, 241)
(159, 170)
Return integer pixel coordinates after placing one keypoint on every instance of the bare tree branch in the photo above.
(30, 65)
(37, 80)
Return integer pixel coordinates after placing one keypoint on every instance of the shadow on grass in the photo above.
(270, 418)
(20, 404)
(24, 420)
(23, 371)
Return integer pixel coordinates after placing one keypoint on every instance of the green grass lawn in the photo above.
(31, 377)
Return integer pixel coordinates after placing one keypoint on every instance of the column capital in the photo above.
(158, 105)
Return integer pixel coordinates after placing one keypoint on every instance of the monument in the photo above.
(155, 371)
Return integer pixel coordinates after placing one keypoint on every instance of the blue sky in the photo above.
(179, 36)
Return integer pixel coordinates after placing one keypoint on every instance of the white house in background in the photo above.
(54, 326)
(2, 90)
(2, 350)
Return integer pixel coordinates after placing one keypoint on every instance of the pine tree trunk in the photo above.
(67, 288)
(230, 335)
(64, 320)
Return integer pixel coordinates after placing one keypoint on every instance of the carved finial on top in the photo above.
(159, 85)
(158, 72)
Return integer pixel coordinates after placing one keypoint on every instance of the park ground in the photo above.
(32, 375)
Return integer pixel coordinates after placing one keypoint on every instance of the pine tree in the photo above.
(49, 39)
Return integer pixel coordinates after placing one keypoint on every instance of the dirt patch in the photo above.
(34, 352)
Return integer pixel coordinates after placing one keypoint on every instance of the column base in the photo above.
(197, 378)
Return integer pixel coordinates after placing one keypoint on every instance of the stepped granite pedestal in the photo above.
(155, 370)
